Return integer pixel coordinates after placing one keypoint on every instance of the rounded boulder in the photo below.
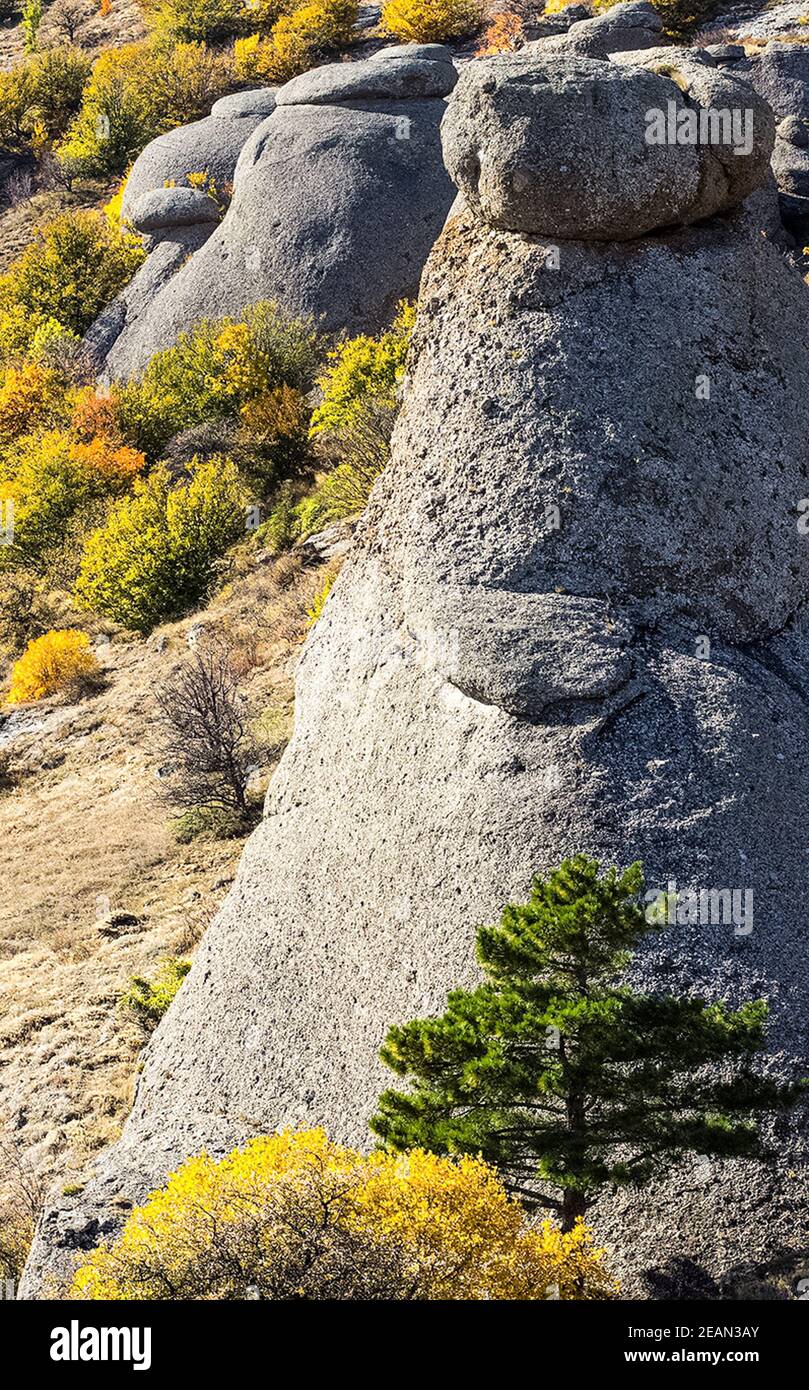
(585, 149)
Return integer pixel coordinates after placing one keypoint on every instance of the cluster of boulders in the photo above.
(339, 189)
(572, 619)
(338, 194)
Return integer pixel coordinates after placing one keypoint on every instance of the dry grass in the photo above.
(84, 832)
(123, 24)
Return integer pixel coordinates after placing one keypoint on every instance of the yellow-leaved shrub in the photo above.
(296, 42)
(431, 21)
(294, 1216)
(56, 661)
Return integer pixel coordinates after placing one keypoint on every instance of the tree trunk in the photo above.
(574, 1205)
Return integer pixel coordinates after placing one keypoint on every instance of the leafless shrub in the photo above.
(204, 736)
(24, 1197)
(51, 173)
(65, 18)
(19, 186)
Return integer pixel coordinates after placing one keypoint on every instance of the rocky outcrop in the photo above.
(210, 146)
(573, 619)
(633, 25)
(338, 197)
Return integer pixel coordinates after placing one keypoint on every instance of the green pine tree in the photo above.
(562, 1077)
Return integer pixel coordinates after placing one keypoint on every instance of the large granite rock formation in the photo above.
(573, 619)
(338, 197)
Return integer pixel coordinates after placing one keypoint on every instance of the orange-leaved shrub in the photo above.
(504, 34)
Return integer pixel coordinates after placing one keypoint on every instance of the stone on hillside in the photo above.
(725, 52)
(574, 618)
(671, 54)
(396, 79)
(791, 168)
(209, 146)
(260, 101)
(634, 25)
(780, 74)
(424, 52)
(794, 131)
(172, 207)
(334, 211)
(557, 146)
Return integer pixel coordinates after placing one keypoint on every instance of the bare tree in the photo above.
(66, 17)
(205, 736)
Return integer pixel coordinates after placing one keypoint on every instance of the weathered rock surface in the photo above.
(557, 145)
(513, 667)
(172, 207)
(167, 255)
(426, 52)
(336, 205)
(780, 74)
(397, 79)
(260, 101)
(633, 25)
(208, 146)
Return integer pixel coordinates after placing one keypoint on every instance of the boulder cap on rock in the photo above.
(560, 145)
(424, 52)
(172, 207)
(395, 79)
(260, 101)
(209, 146)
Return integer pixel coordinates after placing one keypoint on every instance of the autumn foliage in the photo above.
(51, 663)
(296, 1216)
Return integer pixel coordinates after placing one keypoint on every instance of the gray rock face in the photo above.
(334, 212)
(172, 207)
(167, 254)
(558, 145)
(513, 667)
(790, 164)
(781, 75)
(258, 102)
(396, 79)
(425, 52)
(634, 25)
(209, 146)
(753, 19)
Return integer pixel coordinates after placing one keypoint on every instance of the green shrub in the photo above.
(297, 41)
(52, 477)
(59, 76)
(156, 555)
(215, 370)
(73, 267)
(31, 20)
(364, 372)
(148, 999)
(207, 822)
(39, 97)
